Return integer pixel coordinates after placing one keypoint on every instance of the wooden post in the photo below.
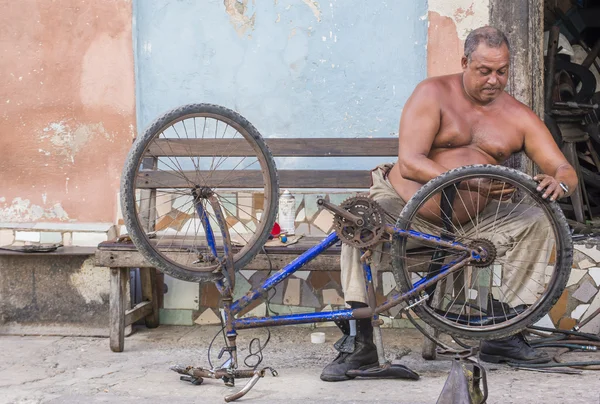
(149, 293)
(523, 24)
(119, 278)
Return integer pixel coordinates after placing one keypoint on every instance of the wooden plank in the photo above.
(323, 262)
(140, 311)
(149, 294)
(320, 179)
(291, 147)
(117, 299)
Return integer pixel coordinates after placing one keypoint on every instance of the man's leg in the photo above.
(524, 240)
(358, 350)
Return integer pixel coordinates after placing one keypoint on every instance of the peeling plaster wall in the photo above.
(301, 68)
(450, 21)
(68, 108)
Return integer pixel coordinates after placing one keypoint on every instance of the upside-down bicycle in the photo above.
(453, 264)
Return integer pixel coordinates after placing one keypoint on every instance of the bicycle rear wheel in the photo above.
(198, 149)
(528, 236)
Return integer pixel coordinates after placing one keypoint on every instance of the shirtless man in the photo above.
(460, 119)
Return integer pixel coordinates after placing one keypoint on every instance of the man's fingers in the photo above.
(545, 183)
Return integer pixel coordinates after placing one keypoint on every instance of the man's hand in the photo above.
(549, 187)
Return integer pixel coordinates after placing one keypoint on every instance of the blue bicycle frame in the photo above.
(231, 308)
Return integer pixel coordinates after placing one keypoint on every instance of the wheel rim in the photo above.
(200, 151)
(467, 306)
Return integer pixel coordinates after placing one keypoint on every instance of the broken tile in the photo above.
(579, 310)
(559, 309)
(324, 221)
(593, 327)
(592, 252)
(181, 294)
(595, 305)
(258, 278)
(394, 311)
(209, 295)
(303, 228)
(174, 220)
(388, 282)
(595, 274)
(247, 273)
(292, 292)
(575, 277)
(244, 205)
(566, 323)
(259, 311)
(300, 217)
(585, 292)
(251, 306)
(50, 237)
(67, 240)
(331, 296)
(302, 274)
(545, 322)
(6, 237)
(242, 286)
(33, 236)
(310, 205)
(308, 297)
(276, 294)
(585, 264)
(208, 317)
(318, 279)
(163, 204)
(315, 231)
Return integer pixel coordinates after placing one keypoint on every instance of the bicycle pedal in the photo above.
(196, 381)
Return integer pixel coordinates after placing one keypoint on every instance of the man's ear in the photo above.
(464, 62)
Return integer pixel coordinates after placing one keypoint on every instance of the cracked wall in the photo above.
(68, 108)
(450, 21)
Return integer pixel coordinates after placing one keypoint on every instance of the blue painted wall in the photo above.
(297, 68)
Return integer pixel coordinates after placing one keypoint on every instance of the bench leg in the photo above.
(149, 293)
(118, 297)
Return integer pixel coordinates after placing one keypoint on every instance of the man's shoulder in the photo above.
(437, 84)
(516, 107)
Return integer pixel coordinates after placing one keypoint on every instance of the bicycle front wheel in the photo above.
(186, 155)
(498, 210)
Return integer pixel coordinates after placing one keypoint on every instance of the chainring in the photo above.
(370, 232)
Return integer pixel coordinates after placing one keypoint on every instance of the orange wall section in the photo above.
(68, 108)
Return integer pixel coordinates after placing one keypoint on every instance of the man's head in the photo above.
(485, 64)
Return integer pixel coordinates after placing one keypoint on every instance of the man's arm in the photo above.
(419, 124)
(541, 148)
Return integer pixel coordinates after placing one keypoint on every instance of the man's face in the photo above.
(485, 76)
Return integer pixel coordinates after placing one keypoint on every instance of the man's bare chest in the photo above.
(495, 135)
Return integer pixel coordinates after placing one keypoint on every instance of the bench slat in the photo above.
(353, 179)
(287, 147)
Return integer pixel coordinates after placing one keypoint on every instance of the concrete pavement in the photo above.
(51, 369)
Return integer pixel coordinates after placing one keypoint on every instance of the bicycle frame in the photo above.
(231, 308)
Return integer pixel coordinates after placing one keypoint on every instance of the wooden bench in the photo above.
(122, 256)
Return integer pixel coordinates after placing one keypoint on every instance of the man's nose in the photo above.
(493, 79)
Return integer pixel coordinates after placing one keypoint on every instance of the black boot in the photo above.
(512, 349)
(354, 352)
